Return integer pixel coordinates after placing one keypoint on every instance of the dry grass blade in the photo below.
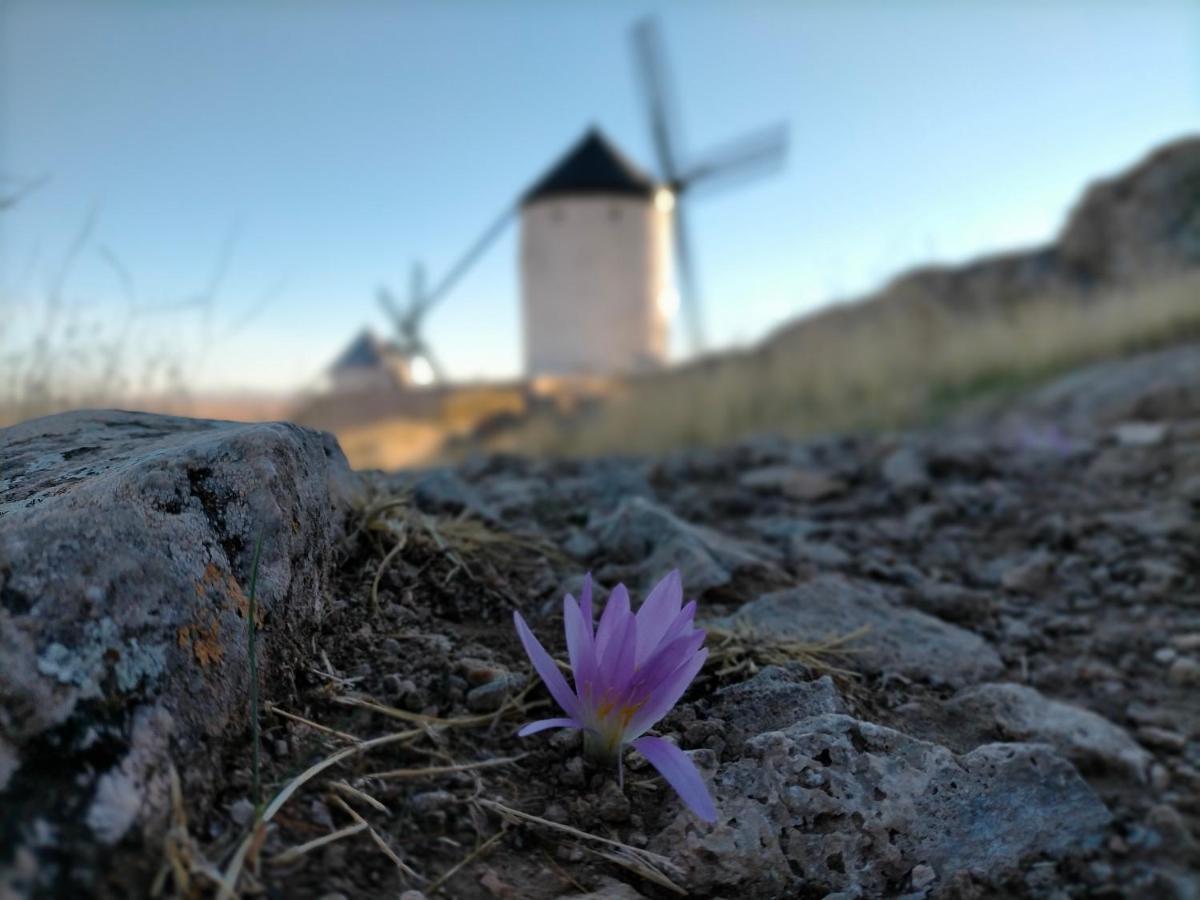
(427, 771)
(294, 853)
(272, 708)
(401, 542)
(514, 704)
(351, 791)
(467, 860)
(646, 861)
(635, 865)
(745, 648)
(379, 841)
(230, 878)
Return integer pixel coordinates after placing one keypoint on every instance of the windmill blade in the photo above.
(689, 289)
(649, 58)
(416, 286)
(390, 306)
(469, 258)
(750, 156)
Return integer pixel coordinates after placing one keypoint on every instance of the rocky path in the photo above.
(963, 662)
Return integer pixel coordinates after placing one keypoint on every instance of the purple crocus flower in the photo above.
(629, 671)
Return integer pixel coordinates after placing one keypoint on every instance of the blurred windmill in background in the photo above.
(409, 341)
(757, 153)
(598, 235)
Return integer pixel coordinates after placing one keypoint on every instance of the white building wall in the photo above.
(595, 272)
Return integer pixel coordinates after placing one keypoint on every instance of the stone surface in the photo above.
(654, 540)
(126, 543)
(773, 699)
(836, 804)
(892, 638)
(1015, 712)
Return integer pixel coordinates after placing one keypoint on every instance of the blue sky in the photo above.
(340, 141)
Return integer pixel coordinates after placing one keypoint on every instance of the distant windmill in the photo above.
(410, 341)
(597, 238)
(753, 154)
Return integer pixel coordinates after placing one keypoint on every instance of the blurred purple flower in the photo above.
(629, 672)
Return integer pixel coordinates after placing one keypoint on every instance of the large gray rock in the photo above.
(1016, 712)
(773, 699)
(126, 543)
(894, 639)
(836, 804)
(652, 540)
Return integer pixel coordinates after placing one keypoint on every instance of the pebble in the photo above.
(413, 895)
(242, 812)
(922, 876)
(1161, 738)
(573, 773)
(1165, 655)
(491, 696)
(1184, 671)
(1186, 643)
(612, 805)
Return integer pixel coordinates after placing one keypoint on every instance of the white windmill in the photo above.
(598, 236)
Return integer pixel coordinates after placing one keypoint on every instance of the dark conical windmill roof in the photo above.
(592, 166)
(366, 351)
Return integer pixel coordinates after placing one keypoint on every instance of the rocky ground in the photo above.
(962, 662)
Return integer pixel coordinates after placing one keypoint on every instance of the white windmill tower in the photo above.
(595, 265)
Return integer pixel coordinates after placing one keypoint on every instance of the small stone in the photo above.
(430, 801)
(612, 805)
(491, 696)
(573, 773)
(1160, 777)
(281, 748)
(1161, 738)
(566, 740)
(397, 687)
(1165, 655)
(1030, 574)
(413, 895)
(1140, 434)
(922, 876)
(904, 469)
(391, 647)
(242, 812)
(793, 482)
(1186, 643)
(1184, 671)
(333, 895)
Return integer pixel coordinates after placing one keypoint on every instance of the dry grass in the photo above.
(871, 366)
(741, 651)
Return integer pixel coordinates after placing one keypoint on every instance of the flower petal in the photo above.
(585, 605)
(579, 647)
(665, 661)
(665, 695)
(617, 663)
(614, 610)
(680, 772)
(681, 625)
(657, 613)
(543, 724)
(547, 668)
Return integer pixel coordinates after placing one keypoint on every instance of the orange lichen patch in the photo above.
(242, 601)
(201, 638)
(233, 597)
